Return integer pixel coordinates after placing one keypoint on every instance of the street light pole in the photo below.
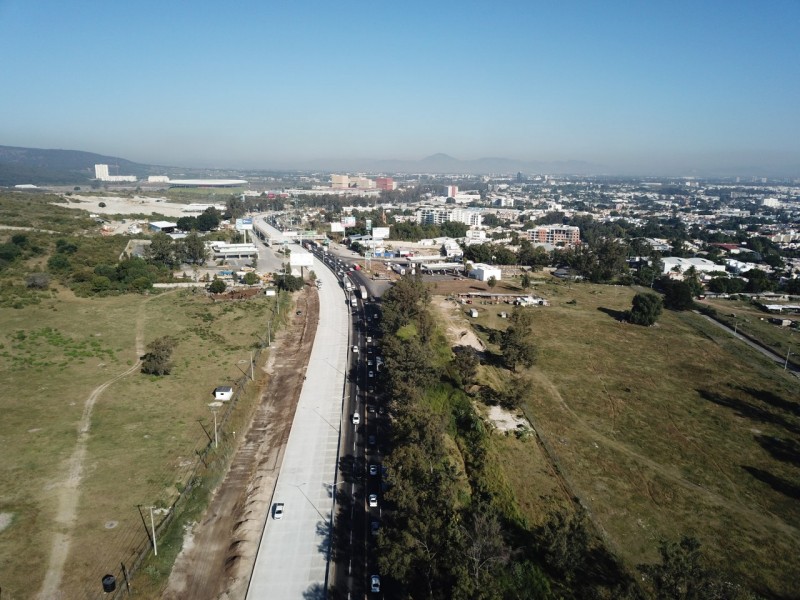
(786, 362)
(153, 527)
(214, 406)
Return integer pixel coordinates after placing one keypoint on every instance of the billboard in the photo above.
(380, 233)
(304, 259)
(244, 224)
(348, 221)
(337, 228)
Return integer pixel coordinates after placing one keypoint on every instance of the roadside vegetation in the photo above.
(454, 528)
(673, 442)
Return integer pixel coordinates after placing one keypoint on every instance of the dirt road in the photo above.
(218, 554)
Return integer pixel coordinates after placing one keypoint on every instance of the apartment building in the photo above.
(557, 235)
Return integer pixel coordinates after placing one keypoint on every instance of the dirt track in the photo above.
(218, 555)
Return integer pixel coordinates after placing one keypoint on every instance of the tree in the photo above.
(161, 251)
(677, 294)
(157, 360)
(193, 249)
(208, 220)
(484, 546)
(492, 282)
(757, 281)
(464, 365)
(645, 309)
(516, 343)
(681, 575)
(250, 278)
(217, 286)
(525, 281)
(186, 223)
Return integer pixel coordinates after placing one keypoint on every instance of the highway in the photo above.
(293, 554)
(328, 457)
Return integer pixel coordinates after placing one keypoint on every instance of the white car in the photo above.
(369, 339)
(373, 500)
(277, 511)
(356, 418)
(355, 349)
(375, 584)
(373, 469)
(371, 374)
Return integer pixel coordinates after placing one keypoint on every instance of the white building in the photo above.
(157, 179)
(678, 266)
(101, 173)
(483, 272)
(437, 216)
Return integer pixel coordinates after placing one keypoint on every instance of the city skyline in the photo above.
(646, 89)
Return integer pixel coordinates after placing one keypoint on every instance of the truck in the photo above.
(363, 291)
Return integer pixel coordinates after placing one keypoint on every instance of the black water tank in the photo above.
(109, 583)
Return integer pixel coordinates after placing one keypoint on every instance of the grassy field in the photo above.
(662, 431)
(144, 430)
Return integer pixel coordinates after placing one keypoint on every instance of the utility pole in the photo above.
(786, 362)
(214, 406)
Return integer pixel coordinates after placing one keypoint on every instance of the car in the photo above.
(372, 440)
(373, 469)
(373, 500)
(375, 527)
(371, 374)
(375, 584)
(369, 339)
(369, 362)
(277, 511)
(381, 410)
(355, 349)
(356, 418)
(370, 408)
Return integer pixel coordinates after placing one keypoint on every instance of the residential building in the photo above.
(437, 216)
(558, 235)
(385, 183)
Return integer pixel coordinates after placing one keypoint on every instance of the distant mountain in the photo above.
(444, 163)
(42, 167)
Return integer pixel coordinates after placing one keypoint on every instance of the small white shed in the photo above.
(223, 393)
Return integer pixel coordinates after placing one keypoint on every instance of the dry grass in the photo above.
(144, 430)
(665, 431)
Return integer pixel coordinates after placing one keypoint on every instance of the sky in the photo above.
(635, 87)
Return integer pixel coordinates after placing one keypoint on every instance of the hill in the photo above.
(45, 166)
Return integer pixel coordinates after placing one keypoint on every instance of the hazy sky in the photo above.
(635, 86)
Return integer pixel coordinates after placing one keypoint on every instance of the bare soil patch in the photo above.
(504, 420)
(458, 332)
(5, 520)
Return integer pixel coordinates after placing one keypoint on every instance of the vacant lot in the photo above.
(664, 431)
(142, 431)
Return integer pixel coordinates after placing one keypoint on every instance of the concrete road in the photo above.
(293, 554)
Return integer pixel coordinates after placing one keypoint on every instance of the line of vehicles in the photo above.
(368, 476)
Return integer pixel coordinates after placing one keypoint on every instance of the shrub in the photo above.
(217, 286)
(646, 309)
(38, 281)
